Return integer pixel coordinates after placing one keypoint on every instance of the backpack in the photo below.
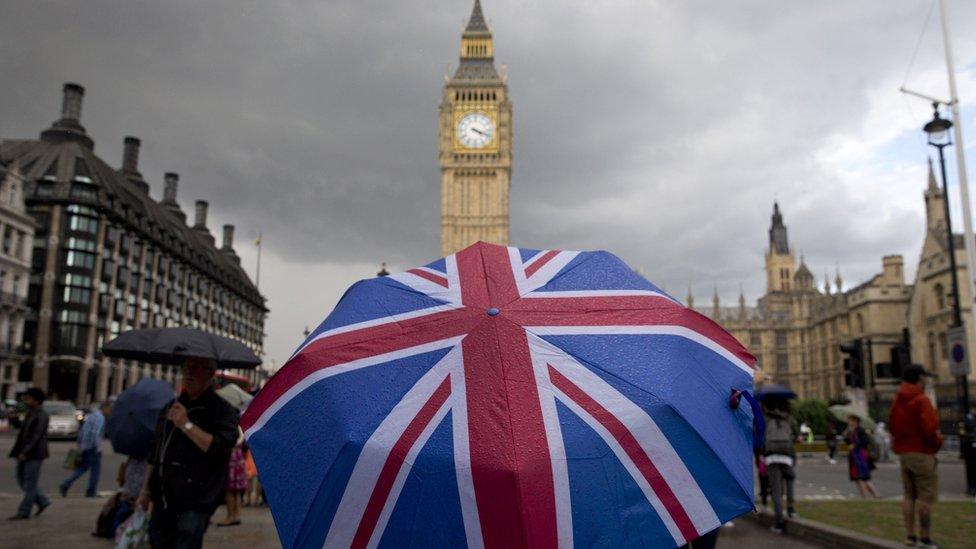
(874, 449)
(779, 436)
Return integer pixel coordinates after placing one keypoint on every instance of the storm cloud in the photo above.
(660, 131)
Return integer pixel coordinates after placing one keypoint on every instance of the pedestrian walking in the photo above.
(90, 447)
(883, 437)
(915, 438)
(236, 483)
(30, 451)
(253, 494)
(806, 433)
(779, 456)
(187, 471)
(859, 461)
(830, 436)
(763, 473)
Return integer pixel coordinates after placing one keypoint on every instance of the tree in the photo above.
(811, 411)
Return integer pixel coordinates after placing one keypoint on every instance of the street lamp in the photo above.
(938, 133)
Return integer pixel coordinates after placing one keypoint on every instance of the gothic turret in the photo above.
(777, 233)
(780, 262)
(716, 307)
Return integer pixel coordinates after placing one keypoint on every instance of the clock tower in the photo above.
(475, 145)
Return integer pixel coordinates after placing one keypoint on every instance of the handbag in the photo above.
(73, 459)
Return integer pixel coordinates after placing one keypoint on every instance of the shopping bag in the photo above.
(72, 460)
(134, 532)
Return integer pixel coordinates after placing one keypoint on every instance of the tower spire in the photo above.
(742, 304)
(716, 308)
(778, 243)
(933, 186)
(477, 20)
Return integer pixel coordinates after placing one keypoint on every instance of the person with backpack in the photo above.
(779, 456)
(859, 460)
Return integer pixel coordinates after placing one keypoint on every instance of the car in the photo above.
(63, 419)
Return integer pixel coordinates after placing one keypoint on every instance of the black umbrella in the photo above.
(174, 345)
(132, 421)
(774, 390)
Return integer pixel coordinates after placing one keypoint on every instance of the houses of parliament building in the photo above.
(796, 328)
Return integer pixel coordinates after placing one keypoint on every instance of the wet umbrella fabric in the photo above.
(132, 421)
(504, 397)
(842, 413)
(174, 345)
(774, 390)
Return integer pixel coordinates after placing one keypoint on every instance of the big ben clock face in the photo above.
(475, 130)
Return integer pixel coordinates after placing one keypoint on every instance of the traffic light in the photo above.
(900, 358)
(853, 363)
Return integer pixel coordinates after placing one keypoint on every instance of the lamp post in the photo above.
(938, 134)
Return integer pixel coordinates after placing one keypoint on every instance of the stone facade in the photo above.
(930, 309)
(475, 145)
(108, 258)
(17, 232)
(796, 328)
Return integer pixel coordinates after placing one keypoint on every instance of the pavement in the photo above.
(816, 479)
(52, 473)
(67, 523)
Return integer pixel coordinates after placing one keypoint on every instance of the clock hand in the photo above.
(476, 130)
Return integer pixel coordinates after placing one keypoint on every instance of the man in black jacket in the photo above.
(187, 471)
(30, 451)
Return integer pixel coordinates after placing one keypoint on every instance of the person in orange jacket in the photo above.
(914, 426)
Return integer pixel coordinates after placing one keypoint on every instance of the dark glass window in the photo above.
(84, 191)
(78, 259)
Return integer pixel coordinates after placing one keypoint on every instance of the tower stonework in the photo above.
(475, 145)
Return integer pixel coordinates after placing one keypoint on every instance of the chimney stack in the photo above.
(200, 215)
(171, 180)
(71, 101)
(228, 237)
(68, 127)
(130, 154)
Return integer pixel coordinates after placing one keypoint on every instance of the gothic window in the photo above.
(781, 340)
(943, 346)
(859, 319)
(940, 297)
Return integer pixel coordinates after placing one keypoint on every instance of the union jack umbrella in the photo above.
(505, 397)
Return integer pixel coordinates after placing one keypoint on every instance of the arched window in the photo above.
(859, 320)
(940, 297)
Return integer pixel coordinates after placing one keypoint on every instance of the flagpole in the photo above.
(257, 270)
(968, 238)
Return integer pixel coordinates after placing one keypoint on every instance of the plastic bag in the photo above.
(134, 532)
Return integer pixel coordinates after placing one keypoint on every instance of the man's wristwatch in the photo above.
(187, 426)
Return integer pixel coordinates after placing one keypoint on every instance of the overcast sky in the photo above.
(661, 131)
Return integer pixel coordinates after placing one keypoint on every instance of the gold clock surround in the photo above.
(462, 110)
